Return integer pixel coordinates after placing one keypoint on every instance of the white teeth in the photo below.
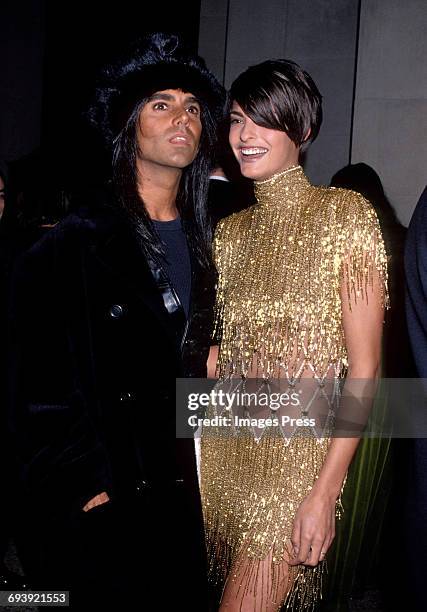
(253, 151)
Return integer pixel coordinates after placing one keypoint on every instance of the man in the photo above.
(415, 545)
(8, 579)
(416, 283)
(108, 309)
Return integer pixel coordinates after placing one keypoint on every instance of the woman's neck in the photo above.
(285, 186)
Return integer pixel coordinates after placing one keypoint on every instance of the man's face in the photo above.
(169, 129)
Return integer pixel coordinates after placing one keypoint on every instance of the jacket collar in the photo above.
(116, 249)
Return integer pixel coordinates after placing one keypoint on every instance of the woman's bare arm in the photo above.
(314, 525)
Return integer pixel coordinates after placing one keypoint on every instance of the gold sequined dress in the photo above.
(282, 264)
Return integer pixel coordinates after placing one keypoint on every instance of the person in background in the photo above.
(415, 511)
(9, 579)
(362, 178)
(229, 191)
(378, 473)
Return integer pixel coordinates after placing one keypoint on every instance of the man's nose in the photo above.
(181, 117)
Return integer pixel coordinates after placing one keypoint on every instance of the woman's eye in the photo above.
(234, 120)
(160, 106)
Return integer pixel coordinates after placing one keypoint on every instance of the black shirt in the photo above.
(177, 258)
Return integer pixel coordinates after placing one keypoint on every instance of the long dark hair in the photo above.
(158, 62)
(192, 192)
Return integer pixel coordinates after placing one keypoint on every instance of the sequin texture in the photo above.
(282, 264)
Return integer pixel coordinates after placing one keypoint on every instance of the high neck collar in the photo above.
(286, 185)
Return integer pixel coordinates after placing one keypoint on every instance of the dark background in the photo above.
(51, 54)
(78, 42)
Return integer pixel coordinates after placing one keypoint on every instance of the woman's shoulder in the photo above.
(347, 207)
(341, 198)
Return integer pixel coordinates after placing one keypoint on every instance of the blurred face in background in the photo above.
(1, 196)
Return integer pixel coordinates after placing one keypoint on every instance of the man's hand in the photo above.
(99, 499)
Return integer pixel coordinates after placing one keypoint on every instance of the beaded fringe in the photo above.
(304, 594)
(249, 503)
(281, 266)
(307, 589)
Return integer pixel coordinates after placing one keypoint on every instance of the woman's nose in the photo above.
(247, 131)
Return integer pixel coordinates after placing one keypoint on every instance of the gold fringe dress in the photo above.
(281, 264)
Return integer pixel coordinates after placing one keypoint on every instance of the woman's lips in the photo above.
(249, 154)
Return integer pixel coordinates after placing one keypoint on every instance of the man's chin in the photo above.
(182, 161)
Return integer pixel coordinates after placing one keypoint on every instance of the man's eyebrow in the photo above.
(192, 99)
(170, 98)
(161, 96)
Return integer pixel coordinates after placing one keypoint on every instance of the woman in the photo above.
(301, 294)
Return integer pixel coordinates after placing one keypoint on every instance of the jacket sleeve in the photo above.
(51, 407)
(416, 284)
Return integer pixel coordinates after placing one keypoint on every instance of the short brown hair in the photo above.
(280, 95)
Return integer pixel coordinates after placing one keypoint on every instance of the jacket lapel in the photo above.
(117, 250)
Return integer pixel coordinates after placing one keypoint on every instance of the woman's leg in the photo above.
(259, 586)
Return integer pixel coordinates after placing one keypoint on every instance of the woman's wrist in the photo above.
(330, 491)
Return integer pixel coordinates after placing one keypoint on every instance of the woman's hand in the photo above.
(212, 359)
(314, 529)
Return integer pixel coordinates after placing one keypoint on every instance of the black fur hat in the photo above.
(156, 62)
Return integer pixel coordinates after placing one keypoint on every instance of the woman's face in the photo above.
(261, 152)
